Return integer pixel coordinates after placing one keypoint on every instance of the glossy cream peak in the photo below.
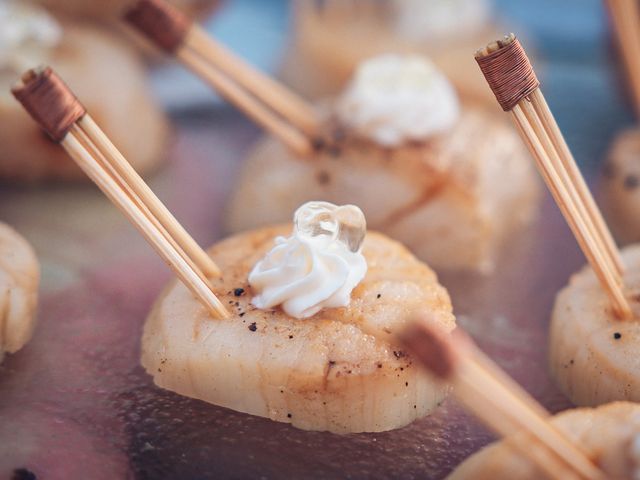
(318, 266)
(27, 32)
(393, 99)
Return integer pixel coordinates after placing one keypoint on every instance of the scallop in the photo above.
(609, 435)
(19, 279)
(593, 355)
(454, 200)
(334, 371)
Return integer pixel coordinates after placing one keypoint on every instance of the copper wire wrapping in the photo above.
(49, 101)
(509, 73)
(163, 24)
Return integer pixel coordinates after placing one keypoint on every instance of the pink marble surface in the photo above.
(76, 404)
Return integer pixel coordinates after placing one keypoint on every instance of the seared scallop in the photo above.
(331, 371)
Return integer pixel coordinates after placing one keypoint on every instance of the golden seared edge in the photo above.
(328, 372)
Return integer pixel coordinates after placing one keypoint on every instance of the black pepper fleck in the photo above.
(379, 295)
(253, 327)
(332, 363)
(238, 292)
(243, 314)
(379, 365)
(631, 182)
(23, 474)
(288, 415)
(617, 335)
(290, 337)
(406, 384)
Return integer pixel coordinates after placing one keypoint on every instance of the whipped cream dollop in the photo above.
(393, 99)
(317, 266)
(420, 20)
(27, 32)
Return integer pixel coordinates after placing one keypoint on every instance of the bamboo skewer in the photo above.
(565, 197)
(271, 92)
(502, 405)
(152, 202)
(159, 243)
(512, 79)
(553, 130)
(102, 161)
(291, 137)
(625, 15)
(50, 102)
(264, 100)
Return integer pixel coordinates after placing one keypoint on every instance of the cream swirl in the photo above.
(318, 266)
(420, 20)
(393, 99)
(26, 33)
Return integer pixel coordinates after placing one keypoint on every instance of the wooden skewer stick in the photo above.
(50, 102)
(271, 92)
(513, 81)
(543, 111)
(104, 163)
(150, 200)
(525, 74)
(291, 137)
(625, 15)
(107, 184)
(502, 405)
(263, 99)
(566, 198)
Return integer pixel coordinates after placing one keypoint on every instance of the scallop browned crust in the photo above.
(19, 279)
(453, 200)
(593, 355)
(332, 371)
(609, 435)
(621, 186)
(110, 81)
